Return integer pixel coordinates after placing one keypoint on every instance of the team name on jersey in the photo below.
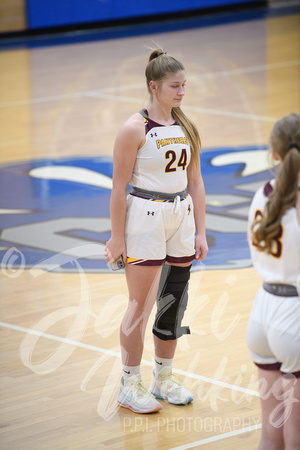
(176, 140)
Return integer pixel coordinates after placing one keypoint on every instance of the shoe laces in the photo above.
(139, 387)
(171, 378)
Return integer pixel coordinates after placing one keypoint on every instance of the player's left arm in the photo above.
(197, 191)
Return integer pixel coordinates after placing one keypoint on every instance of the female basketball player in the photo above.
(162, 220)
(273, 334)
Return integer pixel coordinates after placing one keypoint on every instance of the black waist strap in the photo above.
(151, 195)
(282, 290)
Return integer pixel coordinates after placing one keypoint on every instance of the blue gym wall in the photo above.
(53, 13)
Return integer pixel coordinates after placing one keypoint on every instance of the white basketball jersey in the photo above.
(283, 265)
(161, 164)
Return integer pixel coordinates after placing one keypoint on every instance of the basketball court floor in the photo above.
(62, 102)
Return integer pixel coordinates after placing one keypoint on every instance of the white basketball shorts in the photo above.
(273, 333)
(159, 231)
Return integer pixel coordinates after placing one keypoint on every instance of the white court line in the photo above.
(143, 85)
(219, 112)
(118, 355)
(217, 438)
(50, 98)
(214, 112)
(105, 93)
(245, 70)
(118, 98)
(222, 73)
(59, 339)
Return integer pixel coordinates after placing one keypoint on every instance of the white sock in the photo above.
(161, 363)
(128, 371)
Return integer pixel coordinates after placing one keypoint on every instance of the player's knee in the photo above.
(172, 300)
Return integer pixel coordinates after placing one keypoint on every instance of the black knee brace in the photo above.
(171, 300)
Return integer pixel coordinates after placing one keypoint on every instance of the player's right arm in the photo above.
(130, 138)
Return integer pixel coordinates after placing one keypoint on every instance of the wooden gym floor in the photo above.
(60, 355)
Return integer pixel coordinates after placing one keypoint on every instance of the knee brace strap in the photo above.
(172, 300)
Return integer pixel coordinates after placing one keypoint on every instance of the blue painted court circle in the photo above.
(55, 213)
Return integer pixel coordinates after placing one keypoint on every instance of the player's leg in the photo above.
(172, 302)
(270, 389)
(142, 286)
(284, 339)
(292, 413)
(164, 349)
(172, 298)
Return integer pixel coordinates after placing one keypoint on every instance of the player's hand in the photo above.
(201, 247)
(113, 249)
